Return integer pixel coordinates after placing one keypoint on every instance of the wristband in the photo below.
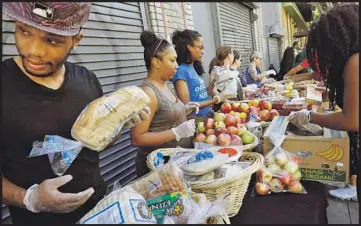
(26, 199)
(177, 138)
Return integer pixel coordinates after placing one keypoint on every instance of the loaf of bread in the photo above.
(102, 120)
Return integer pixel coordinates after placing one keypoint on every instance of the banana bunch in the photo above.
(334, 153)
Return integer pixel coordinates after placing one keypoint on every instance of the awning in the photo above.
(293, 11)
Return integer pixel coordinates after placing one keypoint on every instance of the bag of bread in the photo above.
(122, 206)
(102, 120)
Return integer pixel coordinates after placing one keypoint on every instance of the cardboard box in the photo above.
(334, 145)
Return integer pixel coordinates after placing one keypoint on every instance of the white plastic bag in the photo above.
(225, 80)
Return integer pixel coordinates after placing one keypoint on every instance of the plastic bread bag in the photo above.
(203, 162)
(122, 206)
(101, 122)
(281, 172)
(61, 152)
(225, 80)
(161, 181)
(181, 156)
(204, 177)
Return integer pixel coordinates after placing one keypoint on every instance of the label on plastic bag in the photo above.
(110, 215)
(141, 211)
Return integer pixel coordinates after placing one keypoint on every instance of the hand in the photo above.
(271, 72)
(46, 197)
(224, 97)
(184, 130)
(192, 106)
(138, 118)
(300, 120)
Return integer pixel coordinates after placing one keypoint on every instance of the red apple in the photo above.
(253, 103)
(232, 130)
(274, 113)
(226, 108)
(210, 132)
(296, 159)
(264, 175)
(238, 117)
(241, 130)
(285, 178)
(219, 117)
(276, 185)
(295, 187)
(230, 120)
(243, 107)
(220, 131)
(211, 139)
(263, 104)
(265, 115)
(235, 106)
(220, 124)
(200, 137)
(262, 188)
(236, 140)
(253, 109)
(209, 123)
(224, 139)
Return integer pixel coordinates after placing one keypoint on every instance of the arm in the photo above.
(348, 119)
(139, 134)
(12, 194)
(253, 72)
(183, 94)
(212, 90)
(294, 70)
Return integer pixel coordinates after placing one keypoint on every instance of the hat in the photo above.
(255, 54)
(61, 18)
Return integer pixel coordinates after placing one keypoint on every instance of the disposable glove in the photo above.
(47, 198)
(184, 130)
(270, 72)
(300, 120)
(223, 97)
(192, 107)
(138, 118)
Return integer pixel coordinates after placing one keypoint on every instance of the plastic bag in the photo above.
(181, 156)
(61, 152)
(122, 206)
(230, 169)
(281, 172)
(225, 80)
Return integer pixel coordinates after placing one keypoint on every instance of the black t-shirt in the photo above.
(29, 112)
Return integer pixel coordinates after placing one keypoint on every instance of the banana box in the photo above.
(325, 158)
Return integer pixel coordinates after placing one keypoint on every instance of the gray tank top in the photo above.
(168, 115)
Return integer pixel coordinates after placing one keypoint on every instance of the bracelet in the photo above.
(26, 202)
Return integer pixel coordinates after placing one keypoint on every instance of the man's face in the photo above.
(42, 53)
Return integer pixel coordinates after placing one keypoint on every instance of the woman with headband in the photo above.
(167, 126)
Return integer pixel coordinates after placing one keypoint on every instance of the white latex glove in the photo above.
(300, 120)
(270, 72)
(192, 107)
(223, 97)
(184, 130)
(47, 198)
(138, 118)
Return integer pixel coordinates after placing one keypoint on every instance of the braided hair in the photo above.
(331, 42)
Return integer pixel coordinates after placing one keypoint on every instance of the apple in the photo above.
(265, 105)
(269, 160)
(220, 131)
(274, 113)
(265, 115)
(210, 132)
(200, 127)
(291, 167)
(295, 187)
(247, 137)
(219, 117)
(209, 123)
(224, 139)
(235, 106)
(230, 120)
(238, 117)
(264, 175)
(296, 159)
(281, 158)
(253, 103)
(226, 108)
(241, 130)
(236, 140)
(262, 188)
(220, 124)
(297, 175)
(253, 109)
(276, 185)
(243, 115)
(243, 107)
(285, 178)
(274, 169)
(200, 137)
(232, 130)
(211, 139)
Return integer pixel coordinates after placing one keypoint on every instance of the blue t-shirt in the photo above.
(196, 87)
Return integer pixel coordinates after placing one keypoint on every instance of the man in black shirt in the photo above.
(43, 94)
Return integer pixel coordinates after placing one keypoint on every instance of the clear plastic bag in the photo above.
(61, 152)
(281, 172)
(225, 80)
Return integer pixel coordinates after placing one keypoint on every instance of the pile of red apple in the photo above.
(281, 173)
(223, 130)
(262, 110)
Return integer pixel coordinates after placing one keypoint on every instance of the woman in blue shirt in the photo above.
(187, 82)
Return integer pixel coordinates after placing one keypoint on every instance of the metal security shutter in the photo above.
(236, 28)
(274, 53)
(111, 48)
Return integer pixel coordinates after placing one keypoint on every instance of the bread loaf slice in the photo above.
(102, 120)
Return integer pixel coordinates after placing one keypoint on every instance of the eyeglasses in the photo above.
(199, 47)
